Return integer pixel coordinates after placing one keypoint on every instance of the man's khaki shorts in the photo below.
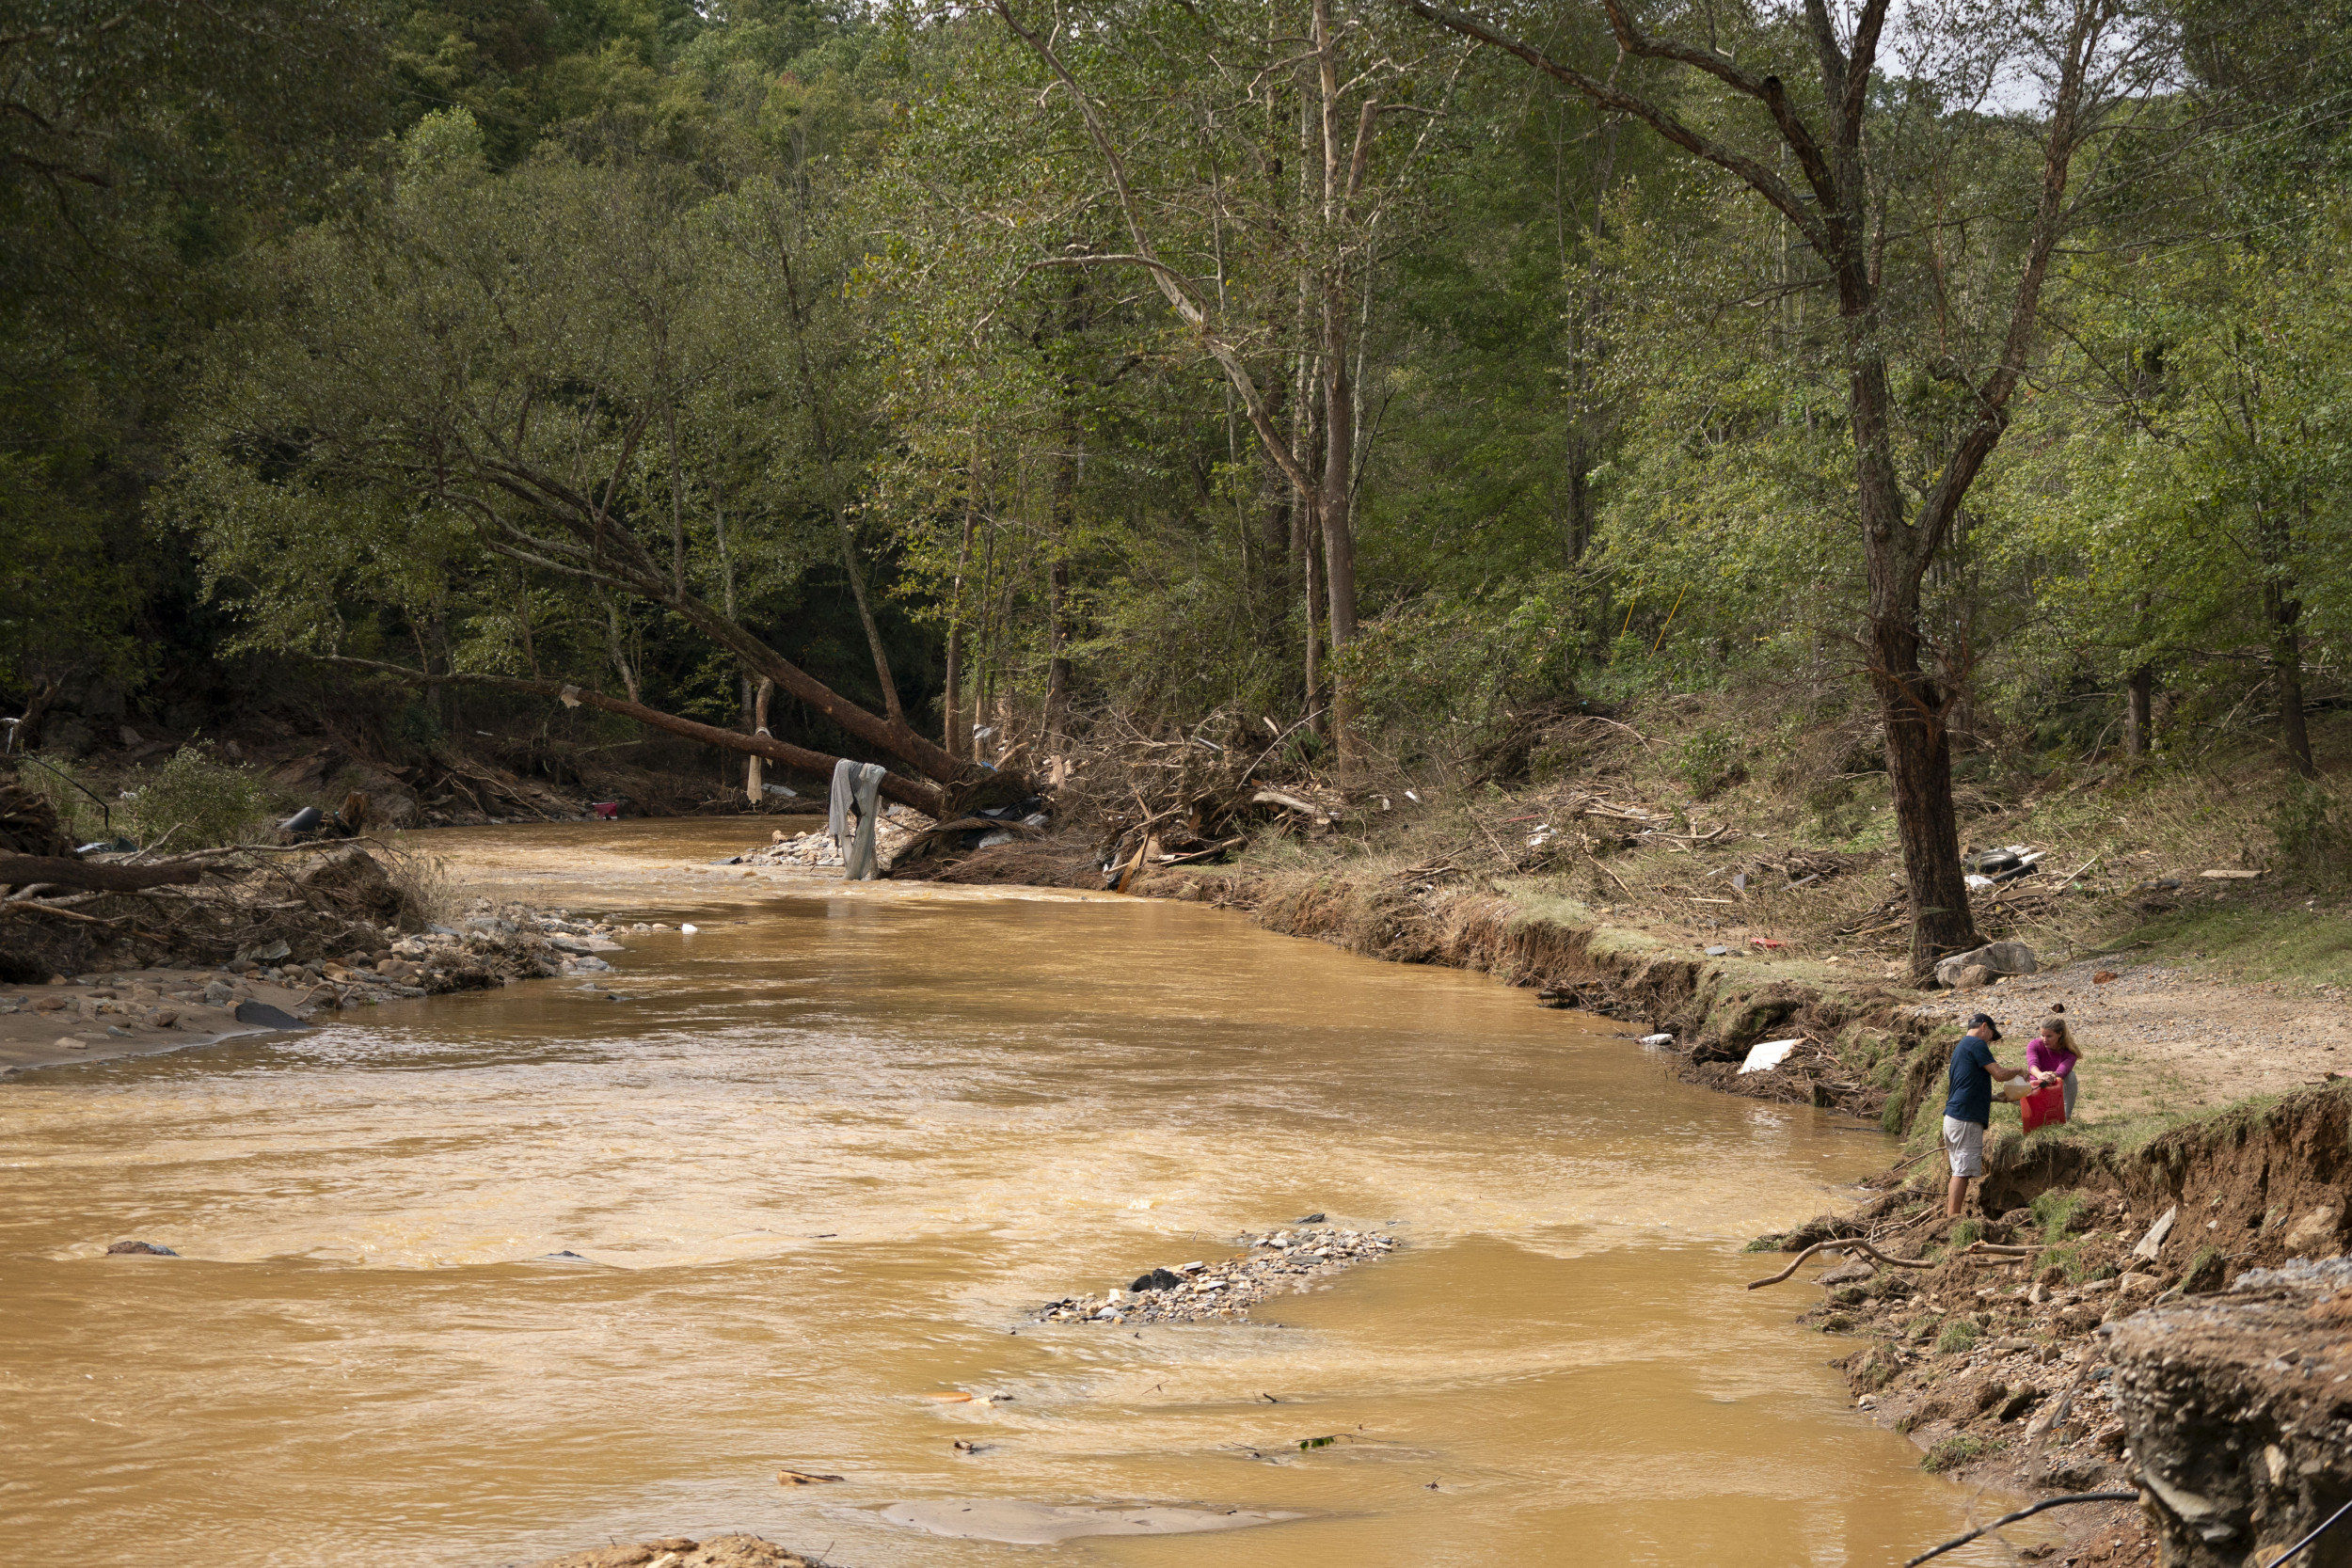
(1963, 1145)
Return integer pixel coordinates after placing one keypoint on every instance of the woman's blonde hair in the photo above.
(2054, 1031)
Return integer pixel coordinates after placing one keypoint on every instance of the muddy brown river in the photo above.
(816, 1169)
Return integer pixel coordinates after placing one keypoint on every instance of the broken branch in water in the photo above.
(1850, 1243)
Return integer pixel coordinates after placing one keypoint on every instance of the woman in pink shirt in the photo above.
(2052, 1055)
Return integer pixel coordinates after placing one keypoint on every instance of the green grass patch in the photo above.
(1958, 1338)
(2067, 1259)
(1953, 1452)
(2055, 1210)
(1967, 1233)
(2252, 942)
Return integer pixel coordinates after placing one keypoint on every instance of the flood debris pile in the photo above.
(488, 946)
(1128, 800)
(1983, 1334)
(2238, 1410)
(1281, 1262)
(684, 1551)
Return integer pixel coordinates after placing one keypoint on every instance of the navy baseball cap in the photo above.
(1985, 1022)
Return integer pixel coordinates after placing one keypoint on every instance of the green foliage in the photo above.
(2313, 836)
(1710, 761)
(81, 811)
(1967, 1233)
(1958, 1337)
(1446, 665)
(2067, 1259)
(195, 800)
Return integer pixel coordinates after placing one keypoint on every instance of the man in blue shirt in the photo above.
(1969, 1107)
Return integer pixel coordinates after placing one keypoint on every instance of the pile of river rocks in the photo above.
(489, 946)
(815, 851)
(1278, 1263)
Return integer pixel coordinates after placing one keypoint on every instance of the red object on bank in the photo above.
(606, 810)
(2044, 1107)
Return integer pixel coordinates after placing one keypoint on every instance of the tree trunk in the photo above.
(620, 652)
(755, 777)
(1061, 520)
(2286, 667)
(2139, 695)
(1338, 518)
(954, 737)
(1309, 533)
(1919, 769)
(1335, 503)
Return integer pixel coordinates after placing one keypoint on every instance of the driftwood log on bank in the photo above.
(66, 871)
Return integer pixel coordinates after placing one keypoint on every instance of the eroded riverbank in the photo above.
(819, 1169)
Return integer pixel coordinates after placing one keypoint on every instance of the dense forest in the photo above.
(956, 378)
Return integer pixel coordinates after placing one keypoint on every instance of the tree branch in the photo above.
(1172, 287)
(1771, 186)
(923, 797)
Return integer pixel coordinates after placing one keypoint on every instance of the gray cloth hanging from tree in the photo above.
(856, 787)
(844, 796)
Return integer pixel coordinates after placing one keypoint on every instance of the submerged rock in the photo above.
(143, 1249)
(683, 1551)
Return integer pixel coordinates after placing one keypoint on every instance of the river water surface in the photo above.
(818, 1167)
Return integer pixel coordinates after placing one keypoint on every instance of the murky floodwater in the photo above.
(819, 1165)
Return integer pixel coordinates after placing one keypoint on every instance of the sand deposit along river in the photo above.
(817, 1168)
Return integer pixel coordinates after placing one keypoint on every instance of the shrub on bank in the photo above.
(1958, 1338)
(196, 801)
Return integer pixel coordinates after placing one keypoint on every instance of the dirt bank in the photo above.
(2237, 1410)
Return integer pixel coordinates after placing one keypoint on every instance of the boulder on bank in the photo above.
(1997, 958)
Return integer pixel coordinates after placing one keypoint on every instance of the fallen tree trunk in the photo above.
(65, 871)
(923, 797)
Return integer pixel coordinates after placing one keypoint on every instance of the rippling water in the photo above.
(819, 1165)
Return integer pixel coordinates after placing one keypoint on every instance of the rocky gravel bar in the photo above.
(108, 1013)
(1281, 1262)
